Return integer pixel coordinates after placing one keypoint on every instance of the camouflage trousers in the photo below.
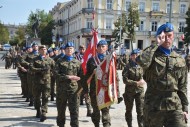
(30, 83)
(41, 91)
(173, 118)
(52, 86)
(139, 101)
(96, 113)
(62, 97)
(24, 86)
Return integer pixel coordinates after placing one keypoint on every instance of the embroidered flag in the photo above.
(106, 83)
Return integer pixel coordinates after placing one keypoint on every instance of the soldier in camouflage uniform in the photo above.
(30, 75)
(22, 72)
(83, 82)
(68, 71)
(187, 59)
(42, 67)
(132, 75)
(166, 102)
(102, 48)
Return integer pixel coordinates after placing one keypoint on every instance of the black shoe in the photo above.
(23, 96)
(27, 100)
(52, 98)
(43, 118)
(31, 103)
(120, 99)
(38, 114)
(89, 113)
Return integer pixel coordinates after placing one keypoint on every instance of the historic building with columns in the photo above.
(74, 20)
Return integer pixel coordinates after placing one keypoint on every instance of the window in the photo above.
(109, 4)
(127, 44)
(141, 7)
(182, 8)
(89, 22)
(154, 26)
(155, 7)
(168, 8)
(108, 23)
(181, 26)
(127, 5)
(141, 26)
(140, 44)
(90, 3)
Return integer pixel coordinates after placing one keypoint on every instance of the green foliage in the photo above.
(4, 34)
(45, 27)
(187, 28)
(129, 22)
(20, 36)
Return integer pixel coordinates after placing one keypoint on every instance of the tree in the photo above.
(45, 26)
(132, 21)
(116, 33)
(129, 22)
(4, 34)
(20, 36)
(187, 28)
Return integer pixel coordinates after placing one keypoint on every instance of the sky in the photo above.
(17, 11)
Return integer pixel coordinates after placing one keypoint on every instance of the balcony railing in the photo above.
(156, 13)
(60, 22)
(87, 10)
(86, 30)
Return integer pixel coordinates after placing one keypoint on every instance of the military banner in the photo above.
(106, 84)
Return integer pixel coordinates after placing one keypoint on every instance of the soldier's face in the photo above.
(102, 49)
(169, 37)
(56, 52)
(51, 54)
(43, 51)
(35, 47)
(82, 50)
(133, 57)
(29, 50)
(69, 51)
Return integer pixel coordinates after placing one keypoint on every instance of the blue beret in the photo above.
(102, 42)
(135, 51)
(62, 47)
(69, 44)
(56, 48)
(34, 43)
(27, 47)
(50, 50)
(168, 27)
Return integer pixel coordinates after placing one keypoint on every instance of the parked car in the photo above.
(6, 47)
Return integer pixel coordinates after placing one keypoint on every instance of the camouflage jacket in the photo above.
(187, 59)
(166, 78)
(42, 69)
(19, 63)
(131, 74)
(63, 67)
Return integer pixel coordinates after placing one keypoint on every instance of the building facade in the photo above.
(75, 19)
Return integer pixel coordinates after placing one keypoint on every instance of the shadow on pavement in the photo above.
(30, 124)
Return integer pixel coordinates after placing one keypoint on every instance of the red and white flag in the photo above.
(106, 83)
(90, 51)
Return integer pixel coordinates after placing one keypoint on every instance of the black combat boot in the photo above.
(27, 99)
(120, 99)
(140, 121)
(89, 113)
(96, 125)
(38, 113)
(52, 98)
(129, 123)
(43, 117)
(106, 125)
(31, 103)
